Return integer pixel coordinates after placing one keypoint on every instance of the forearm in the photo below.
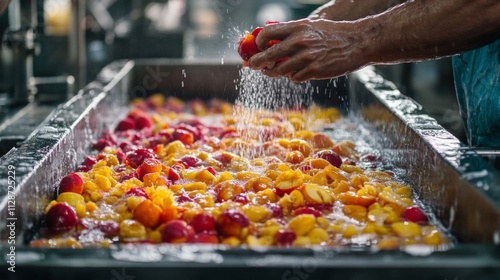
(352, 9)
(426, 29)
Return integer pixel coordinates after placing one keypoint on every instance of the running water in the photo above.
(258, 93)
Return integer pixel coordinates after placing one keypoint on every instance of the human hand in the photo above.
(317, 49)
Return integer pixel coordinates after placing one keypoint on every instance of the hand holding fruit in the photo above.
(247, 46)
(315, 49)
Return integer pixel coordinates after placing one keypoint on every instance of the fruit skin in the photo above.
(177, 231)
(414, 214)
(203, 222)
(285, 237)
(61, 218)
(71, 183)
(307, 210)
(204, 238)
(148, 213)
(247, 47)
(149, 165)
(332, 157)
(231, 222)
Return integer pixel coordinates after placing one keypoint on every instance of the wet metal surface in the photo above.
(460, 187)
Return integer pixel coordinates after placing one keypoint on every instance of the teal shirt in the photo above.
(477, 82)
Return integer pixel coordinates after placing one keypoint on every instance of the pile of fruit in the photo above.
(190, 172)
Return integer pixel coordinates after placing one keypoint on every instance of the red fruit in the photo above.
(61, 218)
(205, 238)
(137, 192)
(414, 214)
(307, 210)
(247, 46)
(190, 161)
(231, 222)
(240, 198)
(184, 136)
(177, 231)
(101, 144)
(182, 198)
(143, 121)
(285, 237)
(126, 124)
(126, 177)
(191, 129)
(332, 157)
(211, 170)
(109, 228)
(87, 164)
(173, 174)
(276, 211)
(137, 157)
(269, 22)
(256, 31)
(305, 168)
(370, 158)
(203, 222)
(71, 183)
(149, 165)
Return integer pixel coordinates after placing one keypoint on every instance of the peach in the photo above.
(231, 222)
(71, 183)
(177, 231)
(227, 190)
(149, 165)
(203, 222)
(148, 213)
(61, 218)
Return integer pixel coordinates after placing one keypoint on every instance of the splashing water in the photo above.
(259, 93)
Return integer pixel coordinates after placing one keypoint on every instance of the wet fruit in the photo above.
(203, 222)
(231, 222)
(177, 231)
(247, 47)
(332, 157)
(71, 183)
(61, 218)
(414, 214)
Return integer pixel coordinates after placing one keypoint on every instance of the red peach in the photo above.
(231, 222)
(414, 214)
(203, 222)
(61, 218)
(177, 231)
(71, 183)
(149, 165)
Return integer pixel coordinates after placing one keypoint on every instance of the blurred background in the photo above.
(51, 48)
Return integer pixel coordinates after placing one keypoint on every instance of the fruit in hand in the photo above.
(61, 218)
(247, 46)
(71, 183)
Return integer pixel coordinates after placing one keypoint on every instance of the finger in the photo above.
(285, 68)
(277, 31)
(268, 58)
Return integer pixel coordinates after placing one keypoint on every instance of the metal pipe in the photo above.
(77, 50)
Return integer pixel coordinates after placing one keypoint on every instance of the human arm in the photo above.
(412, 31)
(352, 9)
